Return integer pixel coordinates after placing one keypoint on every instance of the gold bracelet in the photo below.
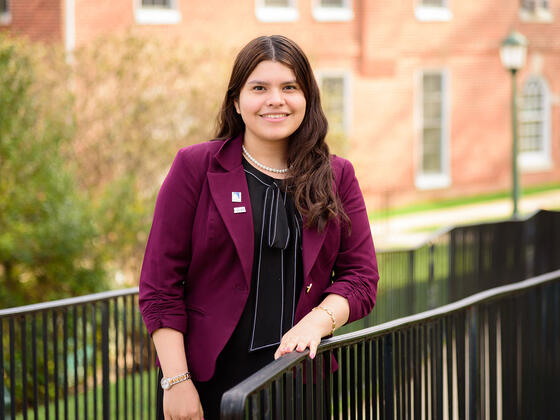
(328, 311)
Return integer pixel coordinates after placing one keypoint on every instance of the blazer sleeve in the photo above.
(355, 270)
(168, 250)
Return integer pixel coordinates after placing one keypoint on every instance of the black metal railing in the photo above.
(79, 358)
(91, 357)
(493, 355)
(461, 261)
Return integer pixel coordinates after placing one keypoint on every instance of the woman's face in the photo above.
(271, 103)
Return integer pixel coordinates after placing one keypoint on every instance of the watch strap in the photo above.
(176, 379)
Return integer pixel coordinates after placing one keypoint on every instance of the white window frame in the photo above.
(536, 161)
(157, 15)
(432, 13)
(276, 14)
(333, 14)
(70, 27)
(540, 14)
(6, 17)
(346, 76)
(443, 179)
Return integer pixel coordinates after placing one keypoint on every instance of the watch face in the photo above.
(165, 383)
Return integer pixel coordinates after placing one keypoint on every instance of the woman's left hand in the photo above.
(306, 333)
(314, 326)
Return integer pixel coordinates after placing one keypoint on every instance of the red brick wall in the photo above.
(39, 20)
(97, 17)
(384, 47)
(384, 135)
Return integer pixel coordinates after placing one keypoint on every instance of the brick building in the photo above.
(417, 86)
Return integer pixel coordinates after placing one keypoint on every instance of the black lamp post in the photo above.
(513, 52)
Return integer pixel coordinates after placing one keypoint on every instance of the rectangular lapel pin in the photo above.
(236, 197)
(239, 210)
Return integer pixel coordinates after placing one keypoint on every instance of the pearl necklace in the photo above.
(260, 165)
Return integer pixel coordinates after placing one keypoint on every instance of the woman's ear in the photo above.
(236, 105)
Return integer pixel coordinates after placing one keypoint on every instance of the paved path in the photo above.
(413, 229)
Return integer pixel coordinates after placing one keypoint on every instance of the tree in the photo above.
(138, 100)
(84, 146)
(46, 229)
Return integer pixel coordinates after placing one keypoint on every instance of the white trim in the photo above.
(347, 83)
(534, 162)
(537, 161)
(333, 14)
(276, 14)
(429, 181)
(432, 181)
(432, 13)
(540, 14)
(157, 15)
(5, 18)
(70, 26)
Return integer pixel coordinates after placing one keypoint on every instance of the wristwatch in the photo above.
(167, 383)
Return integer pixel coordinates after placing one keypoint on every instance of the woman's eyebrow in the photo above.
(262, 82)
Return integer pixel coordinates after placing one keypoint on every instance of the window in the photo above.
(535, 11)
(276, 10)
(335, 99)
(432, 11)
(333, 10)
(5, 15)
(534, 125)
(432, 110)
(534, 5)
(157, 3)
(157, 12)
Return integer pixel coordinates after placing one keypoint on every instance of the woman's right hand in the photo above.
(181, 402)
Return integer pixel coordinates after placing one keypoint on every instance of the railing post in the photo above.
(23, 326)
(451, 289)
(105, 387)
(388, 369)
(431, 282)
(473, 397)
(411, 283)
(2, 406)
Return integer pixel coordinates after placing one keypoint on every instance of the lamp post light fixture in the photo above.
(513, 53)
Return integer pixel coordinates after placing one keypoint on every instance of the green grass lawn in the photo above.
(140, 402)
(455, 202)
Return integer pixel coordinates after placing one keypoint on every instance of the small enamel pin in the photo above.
(236, 197)
(308, 288)
(239, 210)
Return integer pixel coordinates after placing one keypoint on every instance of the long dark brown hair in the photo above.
(311, 174)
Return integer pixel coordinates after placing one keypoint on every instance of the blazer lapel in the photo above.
(240, 225)
(311, 243)
(222, 184)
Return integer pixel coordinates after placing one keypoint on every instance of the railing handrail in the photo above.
(434, 236)
(277, 367)
(62, 303)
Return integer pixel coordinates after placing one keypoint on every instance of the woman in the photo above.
(260, 243)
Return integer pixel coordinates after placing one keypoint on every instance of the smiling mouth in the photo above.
(274, 116)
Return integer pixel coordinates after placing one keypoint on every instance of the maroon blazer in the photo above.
(197, 267)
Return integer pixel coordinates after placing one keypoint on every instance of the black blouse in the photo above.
(277, 279)
(277, 275)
